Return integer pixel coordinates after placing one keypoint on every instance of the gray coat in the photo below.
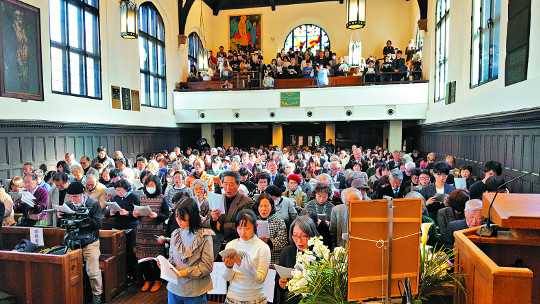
(339, 224)
(285, 209)
(197, 260)
(54, 197)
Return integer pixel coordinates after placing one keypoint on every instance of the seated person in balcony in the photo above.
(386, 67)
(320, 58)
(357, 72)
(330, 71)
(416, 67)
(268, 71)
(399, 66)
(268, 81)
(370, 72)
(212, 61)
(230, 55)
(333, 61)
(273, 65)
(280, 69)
(322, 75)
(192, 76)
(388, 49)
(227, 85)
(304, 62)
(221, 52)
(226, 73)
(235, 64)
(307, 71)
(293, 70)
(341, 68)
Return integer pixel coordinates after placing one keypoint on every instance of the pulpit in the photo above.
(504, 268)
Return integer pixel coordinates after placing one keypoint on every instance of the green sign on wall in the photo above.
(290, 99)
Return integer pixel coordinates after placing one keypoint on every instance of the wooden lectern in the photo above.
(374, 262)
(506, 268)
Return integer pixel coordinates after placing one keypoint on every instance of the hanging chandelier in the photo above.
(128, 19)
(356, 14)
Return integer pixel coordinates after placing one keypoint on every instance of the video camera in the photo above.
(73, 222)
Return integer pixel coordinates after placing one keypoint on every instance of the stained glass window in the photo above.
(307, 35)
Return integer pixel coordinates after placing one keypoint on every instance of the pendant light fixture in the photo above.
(356, 14)
(128, 19)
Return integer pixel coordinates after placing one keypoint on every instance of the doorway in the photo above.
(304, 135)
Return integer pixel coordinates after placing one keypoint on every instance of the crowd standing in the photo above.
(299, 192)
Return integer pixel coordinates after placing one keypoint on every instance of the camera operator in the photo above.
(83, 232)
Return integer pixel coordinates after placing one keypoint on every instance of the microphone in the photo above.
(489, 230)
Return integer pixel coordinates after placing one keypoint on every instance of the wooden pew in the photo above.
(112, 260)
(38, 278)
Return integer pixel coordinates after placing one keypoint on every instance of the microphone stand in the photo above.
(491, 230)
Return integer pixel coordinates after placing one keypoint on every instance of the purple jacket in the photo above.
(42, 198)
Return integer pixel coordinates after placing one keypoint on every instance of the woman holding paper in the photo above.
(125, 220)
(150, 225)
(191, 253)
(275, 226)
(247, 268)
(302, 229)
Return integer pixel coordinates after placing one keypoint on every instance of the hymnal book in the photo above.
(113, 206)
(263, 231)
(284, 272)
(28, 198)
(63, 208)
(168, 271)
(110, 191)
(460, 182)
(143, 210)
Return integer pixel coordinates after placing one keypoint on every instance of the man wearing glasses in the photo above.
(85, 164)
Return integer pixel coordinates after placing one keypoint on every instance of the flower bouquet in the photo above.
(320, 276)
(435, 277)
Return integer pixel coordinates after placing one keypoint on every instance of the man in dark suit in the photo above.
(275, 178)
(473, 218)
(400, 68)
(395, 189)
(223, 224)
(336, 176)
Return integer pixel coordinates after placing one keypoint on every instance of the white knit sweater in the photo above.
(242, 287)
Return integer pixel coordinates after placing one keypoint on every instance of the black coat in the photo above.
(287, 259)
(389, 191)
(279, 181)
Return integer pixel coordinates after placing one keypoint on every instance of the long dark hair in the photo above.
(188, 206)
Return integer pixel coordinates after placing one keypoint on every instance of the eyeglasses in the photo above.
(302, 237)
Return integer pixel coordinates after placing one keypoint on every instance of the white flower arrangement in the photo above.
(320, 276)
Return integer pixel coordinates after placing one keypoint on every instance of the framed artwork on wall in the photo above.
(245, 33)
(21, 73)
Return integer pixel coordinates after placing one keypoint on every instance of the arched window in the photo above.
(75, 55)
(194, 45)
(442, 29)
(307, 35)
(152, 57)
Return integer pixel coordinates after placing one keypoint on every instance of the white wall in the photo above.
(491, 97)
(409, 101)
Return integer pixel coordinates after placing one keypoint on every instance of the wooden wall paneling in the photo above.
(39, 149)
(70, 147)
(16, 150)
(60, 147)
(79, 147)
(536, 153)
(50, 148)
(518, 152)
(88, 146)
(4, 152)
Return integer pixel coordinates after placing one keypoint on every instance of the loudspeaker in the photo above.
(309, 113)
(202, 115)
(272, 114)
(236, 115)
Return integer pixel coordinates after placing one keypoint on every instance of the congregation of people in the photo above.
(308, 63)
(299, 193)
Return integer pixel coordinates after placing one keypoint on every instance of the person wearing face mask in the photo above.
(124, 219)
(87, 238)
(151, 225)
